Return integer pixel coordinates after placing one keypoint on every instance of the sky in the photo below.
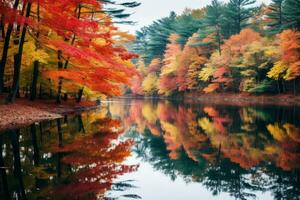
(151, 10)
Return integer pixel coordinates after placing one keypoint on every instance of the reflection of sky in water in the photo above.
(154, 185)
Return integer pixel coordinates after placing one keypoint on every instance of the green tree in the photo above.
(186, 25)
(291, 13)
(275, 16)
(213, 21)
(236, 15)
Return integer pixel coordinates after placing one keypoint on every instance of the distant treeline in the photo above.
(224, 47)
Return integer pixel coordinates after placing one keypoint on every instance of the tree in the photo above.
(150, 84)
(236, 15)
(275, 16)
(186, 25)
(155, 37)
(221, 69)
(85, 34)
(5, 10)
(291, 14)
(137, 80)
(288, 66)
(167, 80)
(212, 22)
(190, 63)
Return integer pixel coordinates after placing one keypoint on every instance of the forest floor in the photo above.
(25, 112)
(243, 99)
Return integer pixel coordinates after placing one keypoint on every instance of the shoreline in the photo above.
(244, 99)
(230, 99)
(25, 112)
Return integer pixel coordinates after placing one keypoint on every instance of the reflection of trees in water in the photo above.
(238, 150)
(71, 158)
(152, 149)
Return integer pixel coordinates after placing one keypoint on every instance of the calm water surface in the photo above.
(138, 149)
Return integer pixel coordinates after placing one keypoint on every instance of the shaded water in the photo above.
(132, 149)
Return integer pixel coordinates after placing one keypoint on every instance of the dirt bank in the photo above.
(25, 112)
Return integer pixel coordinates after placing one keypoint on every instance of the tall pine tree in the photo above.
(213, 22)
(236, 15)
(291, 13)
(275, 17)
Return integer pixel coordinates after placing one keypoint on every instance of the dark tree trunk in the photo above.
(41, 132)
(36, 154)
(60, 134)
(2, 25)
(50, 90)
(13, 93)
(5, 50)
(17, 161)
(79, 97)
(58, 96)
(65, 96)
(41, 91)
(60, 144)
(80, 124)
(36, 63)
(59, 57)
(18, 60)
(66, 119)
(18, 93)
(59, 66)
(3, 173)
(35, 76)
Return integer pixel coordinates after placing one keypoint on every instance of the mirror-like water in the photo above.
(138, 149)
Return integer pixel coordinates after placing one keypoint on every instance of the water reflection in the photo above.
(235, 150)
(77, 157)
(242, 152)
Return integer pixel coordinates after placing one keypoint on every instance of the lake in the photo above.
(156, 150)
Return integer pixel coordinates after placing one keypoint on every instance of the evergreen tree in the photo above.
(236, 15)
(186, 26)
(275, 16)
(291, 13)
(213, 21)
(159, 33)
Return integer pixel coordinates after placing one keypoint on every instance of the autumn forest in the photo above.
(225, 47)
(152, 100)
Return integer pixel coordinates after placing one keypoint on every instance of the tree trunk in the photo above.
(2, 25)
(65, 96)
(14, 135)
(79, 97)
(41, 91)
(36, 63)
(74, 36)
(58, 96)
(294, 86)
(3, 172)
(5, 50)
(36, 154)
(60, 134)
(12, 95)
(80, 124)
(59, 66)
(35, 76)
(18, 60)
